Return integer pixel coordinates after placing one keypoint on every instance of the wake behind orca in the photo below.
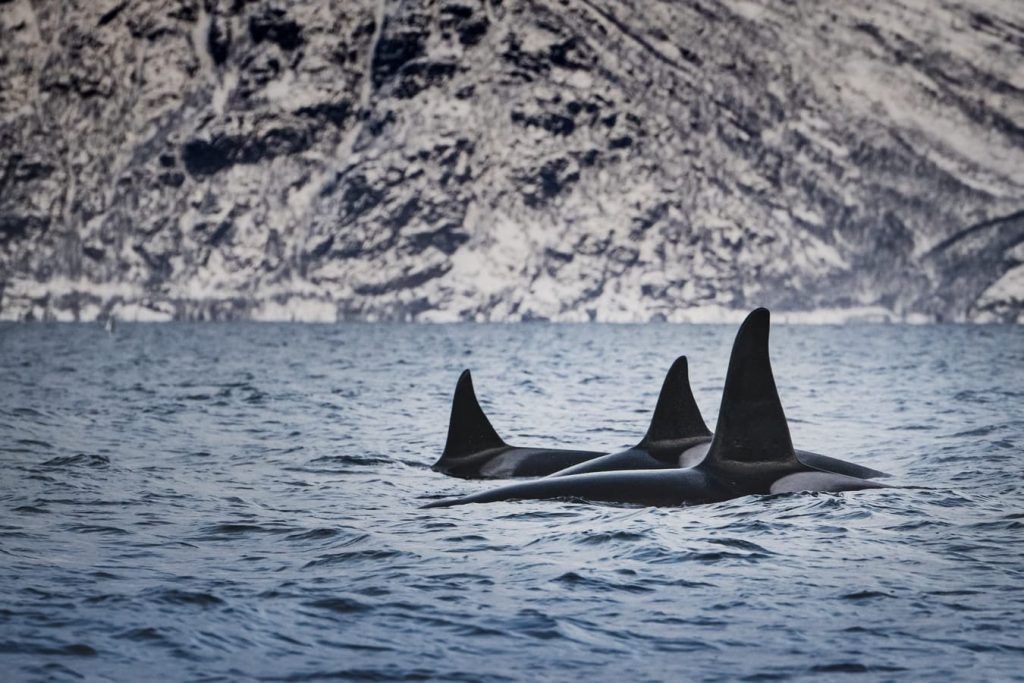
(751, 452)
(475, 451)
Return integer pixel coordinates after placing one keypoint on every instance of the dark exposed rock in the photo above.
(447, 239)
(218, 41)
(418, 76)
(379, 122)
(525, 65)
(620, 142)
(322, 248)
(336, 113)
(112, 13)
(206, 157)
(218, 235)
(172, 179)
(551, 179)
(13, 226)
(404, 214)
(409, 281)
(393, 52)
(95, 253)
(28, 170)
(570, 54)
(463, 20)
(274, 26)
(472, 32)
(359, 197)
(551, 122)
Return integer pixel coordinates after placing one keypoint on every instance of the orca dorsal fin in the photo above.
(676, 415)
(752, 434)
(469, 430)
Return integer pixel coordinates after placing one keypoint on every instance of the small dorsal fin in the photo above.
(676, 415)
(752, 432)
(469, 430)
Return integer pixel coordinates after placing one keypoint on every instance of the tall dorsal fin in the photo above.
(752, 434)
(676, 415)
(469, 430)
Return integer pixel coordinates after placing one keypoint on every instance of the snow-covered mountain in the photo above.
(511, 159)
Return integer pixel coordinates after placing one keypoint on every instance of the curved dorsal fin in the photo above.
(752, 429)
(676, 415)
(469, 430)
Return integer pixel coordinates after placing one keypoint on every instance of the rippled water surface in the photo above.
(232, 501)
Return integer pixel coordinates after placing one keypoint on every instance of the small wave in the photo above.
(1007, 524)
(232, 530)
(31, 509)
(12, 532)
(97, 529)
(981, 431)
(72, 650)
(740, 544)
(26, 412)
(355, 556)
(973, 396)
(313, 534)
(393, 674)
(854, 668)
(339, 464)
(463, 539)
(572, 579)
(80, 460)
(105, 599)
(860, 596)
(180, 597)
(656, 554)
(602, 537)
(539, 514)
(919, 524)
(339, 605)
(352, 459)
(36, 443)
(914, 427)
(142, 634)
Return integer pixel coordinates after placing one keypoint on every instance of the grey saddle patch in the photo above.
(692, 457)
(822, 481)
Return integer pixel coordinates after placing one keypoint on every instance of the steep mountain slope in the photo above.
(513, 159)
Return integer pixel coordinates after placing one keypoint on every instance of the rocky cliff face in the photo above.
(511, 159)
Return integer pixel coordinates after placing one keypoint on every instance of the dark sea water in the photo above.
(240, 502)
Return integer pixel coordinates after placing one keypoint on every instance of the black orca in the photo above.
(475, 451)
(751, 452)
(677, 436)
(687, 441)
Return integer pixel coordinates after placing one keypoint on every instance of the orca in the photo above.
(677, 436)
(687, 440)
(475, 451)
(751, 452)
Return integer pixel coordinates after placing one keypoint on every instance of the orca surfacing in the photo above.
(750, 453)
(679, 438)
(475, 451)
